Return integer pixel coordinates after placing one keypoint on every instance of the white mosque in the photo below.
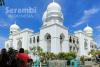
(53, 35)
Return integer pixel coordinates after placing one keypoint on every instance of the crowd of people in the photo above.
(98, 58)
(14, 58)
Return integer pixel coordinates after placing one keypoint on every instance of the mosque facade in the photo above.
(53, 35)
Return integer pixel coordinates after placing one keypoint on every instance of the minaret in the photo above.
(14, 29)
(88, 30)
(53, 35)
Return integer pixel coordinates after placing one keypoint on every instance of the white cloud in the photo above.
(86, 16)
(3, 23)
(97, 27)
(2, 41)
(91, 11)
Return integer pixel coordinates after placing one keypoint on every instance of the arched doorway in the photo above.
(48, 41)
(85, 45)
(61, 40)
(19, 44)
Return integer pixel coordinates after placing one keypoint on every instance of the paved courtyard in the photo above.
(91, 64)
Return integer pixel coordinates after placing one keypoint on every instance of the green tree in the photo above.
(61, 56)
(94, 52)
(82, 59)
(70, 56)
(34, 50)
(39, 50)
(66, 56)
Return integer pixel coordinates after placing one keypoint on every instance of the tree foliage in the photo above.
(94, 52)
(45, 56)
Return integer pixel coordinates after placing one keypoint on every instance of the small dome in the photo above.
(88, 29)
(14, 27)
(54, 6)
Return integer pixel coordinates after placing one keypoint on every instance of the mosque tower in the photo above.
(14, 29)
(88, 30)
(53, 15)
(53, 34)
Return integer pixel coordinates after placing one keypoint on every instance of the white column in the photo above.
(65, 46)
(55, 45)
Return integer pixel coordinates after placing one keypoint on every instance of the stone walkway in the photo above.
(92, 64)
(96, 65)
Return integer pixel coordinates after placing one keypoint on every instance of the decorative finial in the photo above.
(87, 25)
(15, 22)
(53, 0)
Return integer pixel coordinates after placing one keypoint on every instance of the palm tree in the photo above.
(92, 52)
(34, 50)
(39, 50)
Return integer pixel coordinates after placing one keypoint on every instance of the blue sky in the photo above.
(77, 14)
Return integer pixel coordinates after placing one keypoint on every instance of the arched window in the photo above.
(38, 39)
(19, 44)
(48, 37)
(48, 41)
(77, 41)
(70, 48)
(61, 40)
(73, 48)
(74, 40)
(11, 32)
(33, 39)
(92, 46)
(70, 39)
(85, 44)
(30, 40)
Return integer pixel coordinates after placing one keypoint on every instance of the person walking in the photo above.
(22, 57)
(4, 58)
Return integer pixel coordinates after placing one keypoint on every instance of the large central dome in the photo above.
(54, 6)
(53, 14)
